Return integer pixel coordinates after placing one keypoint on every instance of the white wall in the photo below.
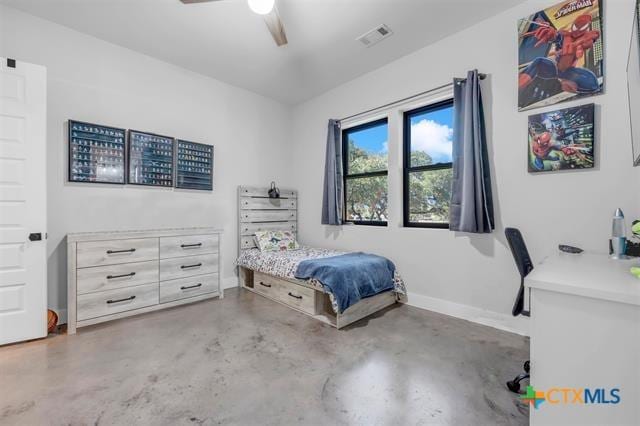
(94, 81)
(467, 275)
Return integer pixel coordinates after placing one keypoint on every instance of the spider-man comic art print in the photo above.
(562, 140)
(560, 54)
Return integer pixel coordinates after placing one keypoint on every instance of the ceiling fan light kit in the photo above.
(269, 12)
(261, 7)
(274, 23)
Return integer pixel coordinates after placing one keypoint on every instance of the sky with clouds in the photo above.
(431, 132)
(433, 137)
(374, 139)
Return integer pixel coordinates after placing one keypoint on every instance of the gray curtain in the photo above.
(471, 199)
(332, 199)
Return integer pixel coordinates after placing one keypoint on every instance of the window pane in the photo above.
(367, 149)
(431, 136)
(429, 196)
(367, 198)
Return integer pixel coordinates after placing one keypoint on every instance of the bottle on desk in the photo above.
(618, 237)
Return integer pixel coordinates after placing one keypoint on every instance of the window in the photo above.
(365, 173)
(428, 133)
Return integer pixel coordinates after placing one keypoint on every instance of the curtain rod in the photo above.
(399, 101)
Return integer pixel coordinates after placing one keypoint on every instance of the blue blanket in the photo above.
(350, 277)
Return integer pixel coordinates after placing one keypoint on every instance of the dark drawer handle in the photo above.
(191, 245)
(265, 285)
(130, 274)
(191, 266)
(294, 296)
(187, 287)
(121, 300)
(131, 250)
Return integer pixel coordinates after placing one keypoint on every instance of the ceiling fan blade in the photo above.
(196, 1)
(276, 28)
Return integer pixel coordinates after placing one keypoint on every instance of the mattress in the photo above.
(284, 264)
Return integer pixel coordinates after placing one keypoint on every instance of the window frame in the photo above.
(407, 169)
(345, 169)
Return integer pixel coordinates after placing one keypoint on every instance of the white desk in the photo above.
(585, 333)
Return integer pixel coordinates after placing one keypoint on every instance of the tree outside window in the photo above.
(428, 133)
(365, 173)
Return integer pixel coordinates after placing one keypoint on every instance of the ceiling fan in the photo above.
(268, 10)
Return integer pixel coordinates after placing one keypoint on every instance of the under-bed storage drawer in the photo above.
(110, 277)
(264, 284)
(183, 267)
(188, 287)
(109, 302)
(188, 245)
(294, 295)
(98, 253)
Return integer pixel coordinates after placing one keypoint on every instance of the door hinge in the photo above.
(35, 236)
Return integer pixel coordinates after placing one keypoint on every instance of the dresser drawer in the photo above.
(188, 245)
(109, 302)
(294, 295)
(99, 253)
(188, 287)
(110, 277)
(183, 267)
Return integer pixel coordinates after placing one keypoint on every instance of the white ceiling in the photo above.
(226, 41)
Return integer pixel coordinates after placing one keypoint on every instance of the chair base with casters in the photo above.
(514, 385)
(525, 266)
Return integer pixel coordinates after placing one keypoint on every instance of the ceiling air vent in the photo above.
(375, 35)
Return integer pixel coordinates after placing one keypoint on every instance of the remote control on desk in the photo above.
(569, 249)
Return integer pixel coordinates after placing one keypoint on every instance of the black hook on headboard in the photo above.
(274, 192)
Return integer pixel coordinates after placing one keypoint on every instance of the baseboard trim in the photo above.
(517, 325)
(497, 320)
(229, 282)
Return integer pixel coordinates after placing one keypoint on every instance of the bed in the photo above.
(272, 274)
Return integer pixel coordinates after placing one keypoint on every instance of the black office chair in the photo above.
(524, 264)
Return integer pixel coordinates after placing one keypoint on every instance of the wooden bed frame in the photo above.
(258, 212)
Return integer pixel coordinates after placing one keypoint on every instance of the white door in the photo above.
(23, 202)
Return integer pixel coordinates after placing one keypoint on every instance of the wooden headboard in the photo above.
(258, 212)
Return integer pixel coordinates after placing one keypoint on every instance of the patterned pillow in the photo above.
(276, 240)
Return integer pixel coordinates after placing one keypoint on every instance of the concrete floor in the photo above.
(247, 360)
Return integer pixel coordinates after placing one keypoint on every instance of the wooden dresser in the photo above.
(113, 275)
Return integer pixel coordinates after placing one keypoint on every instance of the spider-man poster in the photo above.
(560, 54)
(562, 140)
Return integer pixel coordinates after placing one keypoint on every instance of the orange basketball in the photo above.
(52, 320)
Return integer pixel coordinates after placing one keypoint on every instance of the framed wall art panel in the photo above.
(560, 54)
(96, 153)
(194, 165)
(562, 139)
(150, 159)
